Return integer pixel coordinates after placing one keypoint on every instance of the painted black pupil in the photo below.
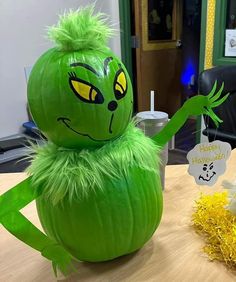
(112, 106)
(118, 94)
(204, 168)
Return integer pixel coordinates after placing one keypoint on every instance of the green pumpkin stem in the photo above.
(81, 30)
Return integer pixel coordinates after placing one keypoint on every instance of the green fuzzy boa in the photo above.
(64, 172)
(81, 30)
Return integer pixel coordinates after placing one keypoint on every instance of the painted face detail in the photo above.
(120, 85)
(83, 99)
(66, 122)
(208, 172)
(89, 93)
(84, 90)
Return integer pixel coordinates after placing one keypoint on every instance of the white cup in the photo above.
(151, 122)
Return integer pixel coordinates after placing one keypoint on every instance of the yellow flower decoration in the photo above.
(218, 226)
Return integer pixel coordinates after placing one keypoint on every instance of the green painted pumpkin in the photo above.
(79, 93)
(80, 99)
(101, 195)
(112, 222)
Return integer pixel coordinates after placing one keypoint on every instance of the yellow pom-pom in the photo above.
(218, 226)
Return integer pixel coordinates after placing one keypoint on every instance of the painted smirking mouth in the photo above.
(66, 122)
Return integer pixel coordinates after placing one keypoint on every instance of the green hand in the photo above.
(18, 225)
(61, 259)
(194, 106)
(204, 104)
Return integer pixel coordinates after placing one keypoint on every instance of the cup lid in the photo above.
(157, 115)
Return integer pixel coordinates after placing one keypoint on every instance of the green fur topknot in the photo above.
(81, 30)
(63, 172)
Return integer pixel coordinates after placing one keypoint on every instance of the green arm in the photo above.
(24, 230)
(197, 105)
(17, 197)
(18, 225)
(172, 127)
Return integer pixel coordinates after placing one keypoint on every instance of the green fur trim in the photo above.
(81, 30)
(64, 172)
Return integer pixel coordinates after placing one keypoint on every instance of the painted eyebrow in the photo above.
(88, 67)
(106, 62)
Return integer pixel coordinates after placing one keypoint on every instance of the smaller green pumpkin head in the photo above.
(79, 93)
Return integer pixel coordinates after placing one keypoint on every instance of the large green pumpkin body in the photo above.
(78, 121)
(108, 223)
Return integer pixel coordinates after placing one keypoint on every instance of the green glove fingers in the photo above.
(61, 259)
(18, 225)
(213, 116)
(212, 96)
(196, 105)
(219, 102)
(214, 101)
(213, 90)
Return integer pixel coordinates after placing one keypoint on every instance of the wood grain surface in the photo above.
(173, 254)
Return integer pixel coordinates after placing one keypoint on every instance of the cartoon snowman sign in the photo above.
(207, 161)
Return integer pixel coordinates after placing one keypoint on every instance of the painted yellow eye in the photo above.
(85, 91)
(120, 84)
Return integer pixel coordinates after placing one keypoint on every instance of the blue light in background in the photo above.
(188, 72)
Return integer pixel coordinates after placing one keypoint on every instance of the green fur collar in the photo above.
(64, 172)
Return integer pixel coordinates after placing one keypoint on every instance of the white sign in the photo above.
(207, 161)
(230, 43)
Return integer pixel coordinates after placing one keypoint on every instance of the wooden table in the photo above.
(173, 254)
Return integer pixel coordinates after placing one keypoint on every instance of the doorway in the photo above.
(156, 26)
(165, 57)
